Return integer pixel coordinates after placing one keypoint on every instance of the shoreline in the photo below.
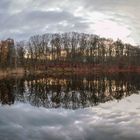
(69, 70)
(12, 72)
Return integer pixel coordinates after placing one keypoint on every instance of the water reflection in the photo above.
(68, 91)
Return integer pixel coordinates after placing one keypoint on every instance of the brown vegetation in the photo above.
(69, 52)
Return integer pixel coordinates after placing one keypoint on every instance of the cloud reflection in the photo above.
(107, 121)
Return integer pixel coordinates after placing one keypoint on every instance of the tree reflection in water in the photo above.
(68, 91)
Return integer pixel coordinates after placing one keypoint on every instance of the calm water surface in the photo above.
(70, 107)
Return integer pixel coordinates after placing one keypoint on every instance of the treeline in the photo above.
(11, 55)
(41, 51)
(7, 53)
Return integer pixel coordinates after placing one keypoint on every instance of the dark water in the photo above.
(70, 92)
(69, 107)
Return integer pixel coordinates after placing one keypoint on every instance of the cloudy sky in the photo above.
(108, 18)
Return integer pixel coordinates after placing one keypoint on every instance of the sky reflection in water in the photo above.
(113, 119)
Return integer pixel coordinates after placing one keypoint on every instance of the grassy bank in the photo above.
(70, 70)
(96, 69)
(9, 72)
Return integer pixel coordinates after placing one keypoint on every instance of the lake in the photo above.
(70, 107)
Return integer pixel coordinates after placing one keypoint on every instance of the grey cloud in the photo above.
(36, 17)
(111, 4)
(36, 21)
(22, 18)
(4, 5)
(49, 16)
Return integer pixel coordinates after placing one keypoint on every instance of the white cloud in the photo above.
(119, 15)
(111, 29)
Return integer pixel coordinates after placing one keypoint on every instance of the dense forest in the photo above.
(69, 50)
